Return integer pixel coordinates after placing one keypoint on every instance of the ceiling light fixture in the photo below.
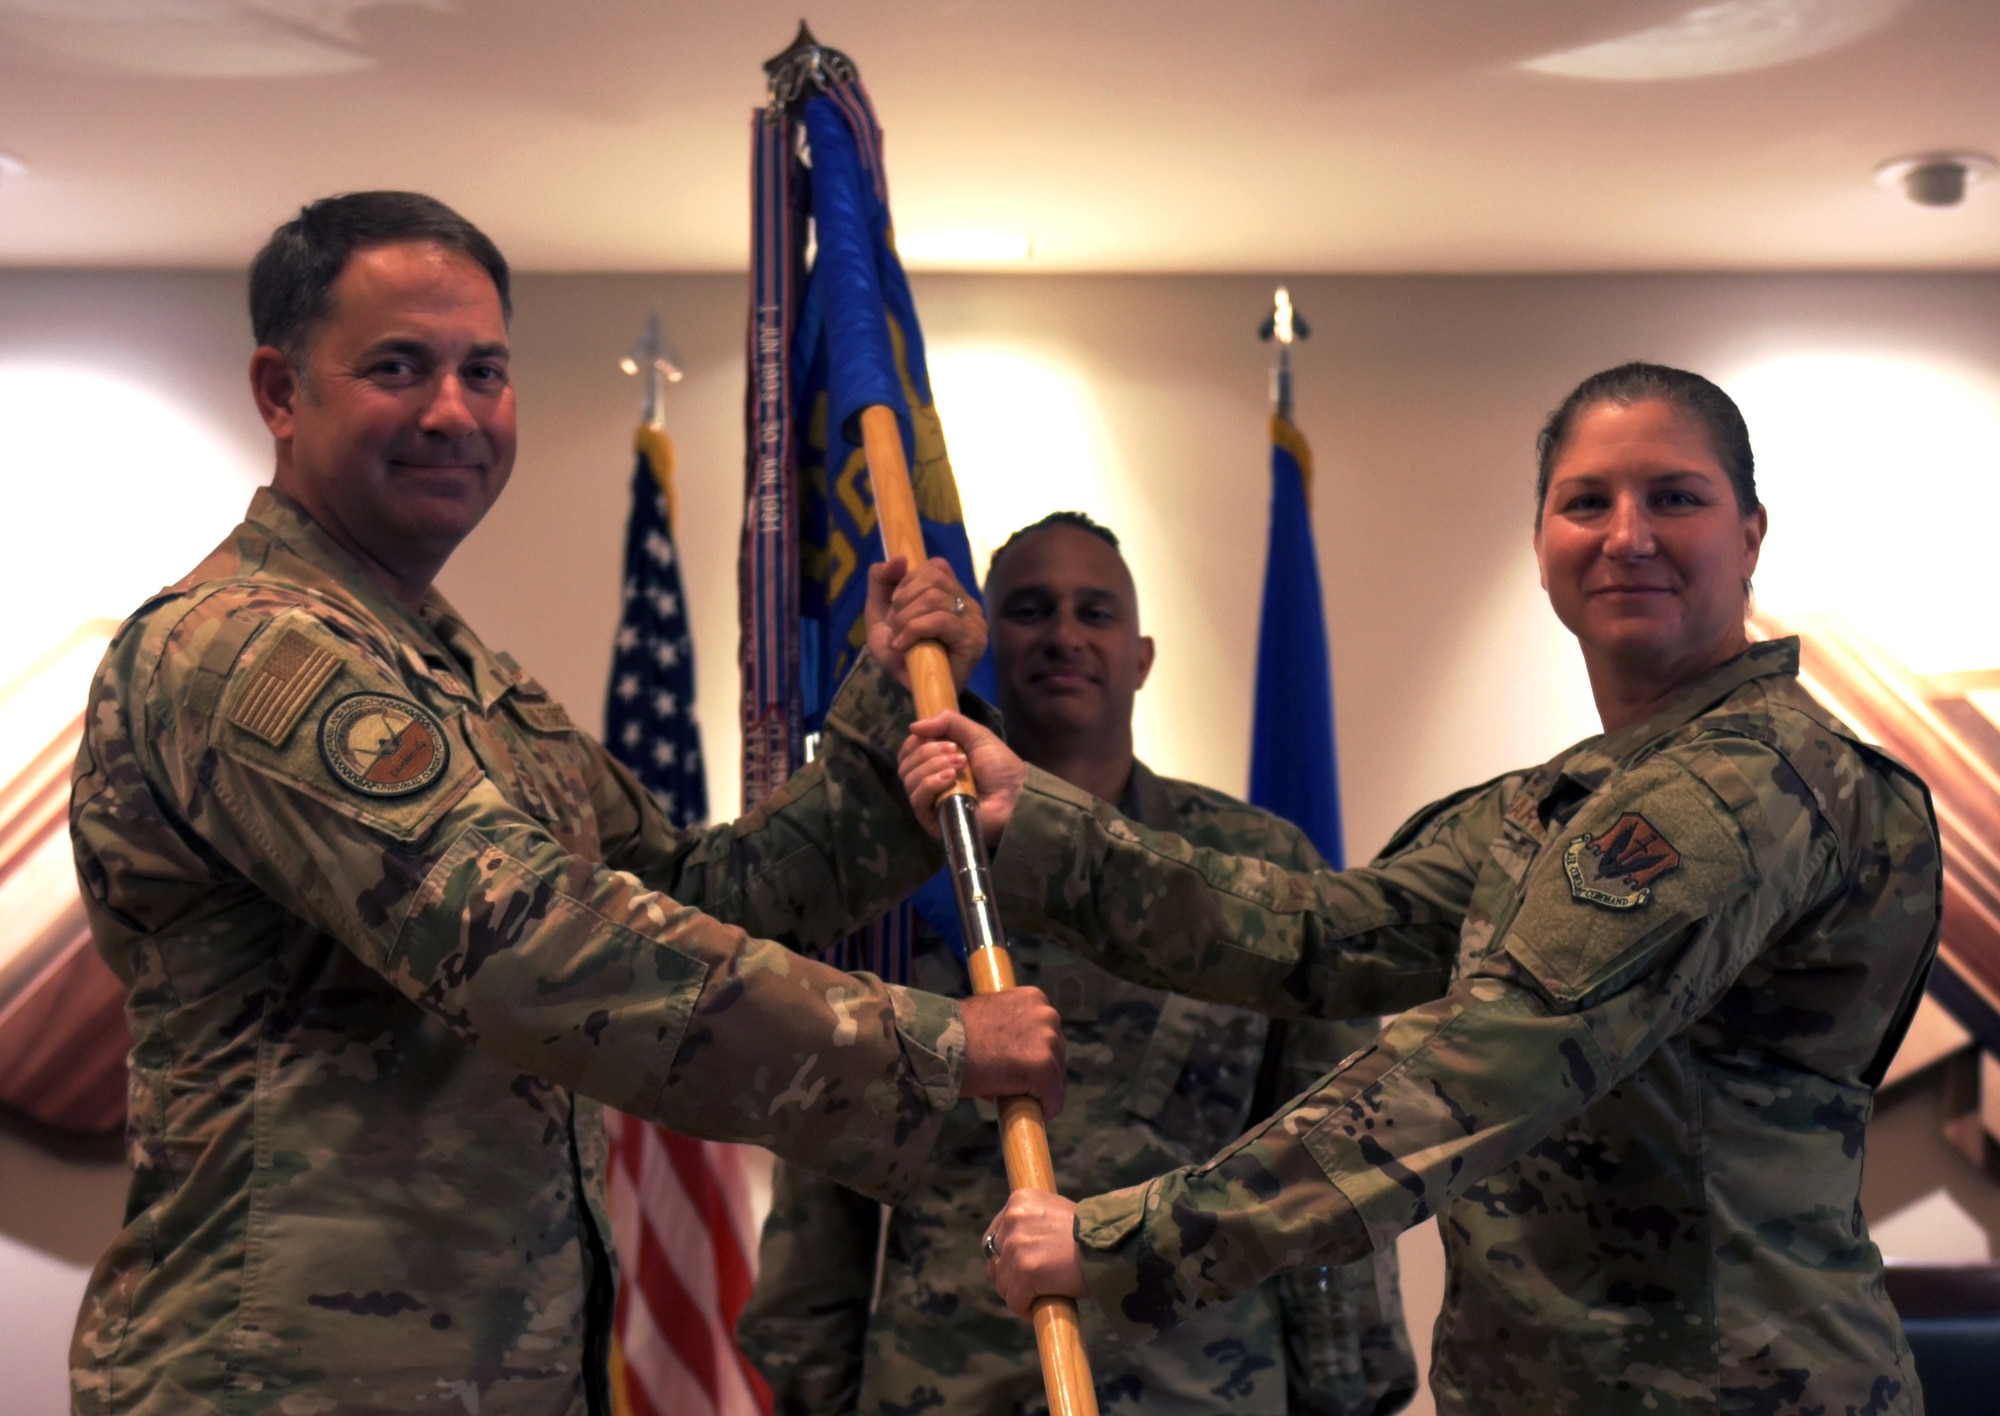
(964, 248)
(198, 39)
(1935, 179)
(12, 166)
(1723, 37)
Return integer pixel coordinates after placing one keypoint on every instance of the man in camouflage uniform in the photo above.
(388, 918)
(1156, 1080)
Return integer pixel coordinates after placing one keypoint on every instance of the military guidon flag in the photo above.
(810, 529)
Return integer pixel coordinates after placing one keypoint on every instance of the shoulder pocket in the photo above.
(1638, 866)
(311, 710)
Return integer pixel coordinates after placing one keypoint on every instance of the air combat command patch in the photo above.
(1618, 868)
(382, 746)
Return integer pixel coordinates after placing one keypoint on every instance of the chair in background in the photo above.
(1951, 1315)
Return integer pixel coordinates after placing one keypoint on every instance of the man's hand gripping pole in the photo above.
(1023, 1136)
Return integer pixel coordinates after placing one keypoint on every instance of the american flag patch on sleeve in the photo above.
(282, 687)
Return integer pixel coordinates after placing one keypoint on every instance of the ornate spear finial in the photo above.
(651, 353)
(805, 68)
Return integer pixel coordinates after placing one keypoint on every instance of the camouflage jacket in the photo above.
(387, 919)
(1651, 987)
(1155, 1080)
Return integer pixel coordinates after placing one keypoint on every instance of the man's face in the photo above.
(400, 433)
(1066, 641)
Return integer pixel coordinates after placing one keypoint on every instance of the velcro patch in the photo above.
(1617, 868)
(381, 745)
(282, 687)
(544, 716)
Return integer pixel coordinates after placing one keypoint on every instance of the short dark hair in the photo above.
(1075, 520)
(1691, 395)
(291, 280)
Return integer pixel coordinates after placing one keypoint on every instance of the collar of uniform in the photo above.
(491, 674)
(1145, 800)
(290, 523)
(419, 633)
(1590, 762)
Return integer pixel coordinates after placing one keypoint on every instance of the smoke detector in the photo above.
(1935, 179)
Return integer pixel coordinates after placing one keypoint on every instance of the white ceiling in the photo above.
(1286, 136)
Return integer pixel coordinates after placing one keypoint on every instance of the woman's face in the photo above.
(1642, 548)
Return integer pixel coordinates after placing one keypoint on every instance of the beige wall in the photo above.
(1420, 396)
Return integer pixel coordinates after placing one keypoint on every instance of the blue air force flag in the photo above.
(1294, 769)
(858, 344)
(828, 339)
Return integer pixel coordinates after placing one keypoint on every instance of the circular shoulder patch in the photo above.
(382, 746)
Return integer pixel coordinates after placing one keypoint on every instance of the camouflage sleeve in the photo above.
(806, 1324)
(415, 861)
(1237, 929)
(836, 826)
(1552, 1007)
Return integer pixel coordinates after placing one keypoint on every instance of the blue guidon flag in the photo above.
(649, 722)
(1294, 769)
(826, 341)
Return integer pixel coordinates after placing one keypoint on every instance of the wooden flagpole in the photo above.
(1024, 1136)
(806, 67)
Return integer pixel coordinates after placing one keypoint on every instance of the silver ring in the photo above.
(991, 1246)
(958, 604)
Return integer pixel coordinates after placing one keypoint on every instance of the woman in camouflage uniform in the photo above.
(1650, 987)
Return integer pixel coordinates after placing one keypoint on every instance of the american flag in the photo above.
(682, 1211)
(649, 712)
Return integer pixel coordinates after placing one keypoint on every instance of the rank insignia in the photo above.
(382, 746)
(1617, 869)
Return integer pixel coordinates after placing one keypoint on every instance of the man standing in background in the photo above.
(1155, 1080)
